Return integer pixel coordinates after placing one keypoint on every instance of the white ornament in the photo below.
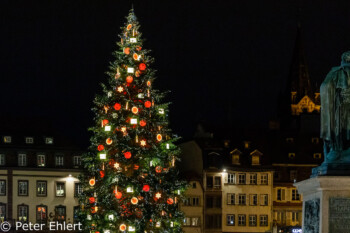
(130, 70)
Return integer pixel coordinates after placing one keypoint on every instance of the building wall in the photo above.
(193, 210)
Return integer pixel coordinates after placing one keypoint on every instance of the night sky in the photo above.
(225, 62)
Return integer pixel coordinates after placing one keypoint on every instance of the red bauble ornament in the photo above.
(158, 169)
(129, 79)
(109, 141)
(142, 66)
(146, 188)
(136, 167)
(138, 48)
(134, 200)
(91, 200)
(134, 110)
(159, 137)
(143, 123)
(104, 122)
(170, 201)
(127, 155)
(127, 50)
(92, 182)
(117, 106)
(100, 147)
(148, 104)
(102, 174)
(118, 195)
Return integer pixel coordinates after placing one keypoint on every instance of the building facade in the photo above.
(38, 179)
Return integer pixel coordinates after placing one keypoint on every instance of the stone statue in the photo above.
(335, 113)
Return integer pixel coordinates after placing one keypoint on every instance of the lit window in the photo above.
(22, 160)
(77, 160)
(231, 198)
(41, 188)
(41, 214)
(60, 189)
(195, 221)
(315, 140)
(253, 179)
(264, 179)
(291, 155)
(230, 218)
(7, 139)
(252, 221)
(41, 160)
(2, 187)
(263, 220)
(60, 213)
(242, 199)
(29, 140)
(187, 221)
(78, 189)
(2, 212)
(253, 199)
(2, 159)
(59, 160)
(231, 178)
(22, 213)
(317, 155)
(241, 220)
(23, 188)
(241, 179)
(49, 140)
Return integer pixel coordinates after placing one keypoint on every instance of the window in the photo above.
(231, 178)
(291, 155)
(60, 189)
(241, 199)
(253, 179)
(231, 198)
(252, 220)
(75, 213)
(253, 199)
(241, 178)
(2, 187)
(7, 139)
(264, 179)
(281, 194)
(22, 160)
(2, 212)
(22, 213)
(41, 188)
(213, 202)
(41, 214)
(78, 189)
(280, 216)
(263, 221)
(60, 213)
(59, 160)
(2, 159)
(29, 140)
(295, 216)
(230, 220)
(315, 140)
(195, 221)
(241, 220)
(41, 160)
(213, 221)
(289, 140)
(217, 182)
(295, 195)
(187, 221)
(194, 185)
(49, 140)
(195, 201)
(235, 159)
(264, 199)
(77, 161)
(317, 155)
(191, 201)
(23, 188)
(209, 181)
(293, 175)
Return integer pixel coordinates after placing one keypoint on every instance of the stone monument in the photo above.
(326, 195)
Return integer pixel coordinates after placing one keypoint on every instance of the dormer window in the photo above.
(49, 140)
(315, 140)
(235, 156)
(317, 155)
(291, 155)
(256, 157)
(246, 144)
(29, 140)
(7, 139)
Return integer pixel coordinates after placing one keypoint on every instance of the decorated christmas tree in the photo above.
(130, 180)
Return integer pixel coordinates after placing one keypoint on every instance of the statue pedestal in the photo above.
(332, 169)
(326, 204)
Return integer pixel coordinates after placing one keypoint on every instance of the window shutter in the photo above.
(283, 194)
(225, 178)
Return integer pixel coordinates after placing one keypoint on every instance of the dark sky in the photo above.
(213, 56)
